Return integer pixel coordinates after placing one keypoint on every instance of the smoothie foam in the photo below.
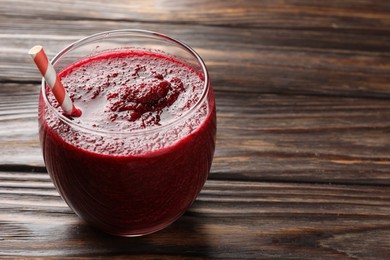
(128, 92)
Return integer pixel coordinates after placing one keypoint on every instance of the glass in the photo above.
(153, 175)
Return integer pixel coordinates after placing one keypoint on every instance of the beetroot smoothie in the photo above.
(141, 151)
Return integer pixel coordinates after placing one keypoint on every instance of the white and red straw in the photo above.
(52, 79)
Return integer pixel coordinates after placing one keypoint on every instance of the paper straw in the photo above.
(52, 79)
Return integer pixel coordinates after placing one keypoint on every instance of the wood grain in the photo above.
(359, 15)
(302, 165)
(268, 137)
(266, 220)
(292, 62)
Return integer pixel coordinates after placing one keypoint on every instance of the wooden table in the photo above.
(302, 166)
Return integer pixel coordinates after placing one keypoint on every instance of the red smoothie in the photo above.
(141, 151)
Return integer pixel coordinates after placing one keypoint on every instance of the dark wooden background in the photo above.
(302, 166)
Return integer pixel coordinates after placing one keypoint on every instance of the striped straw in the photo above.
(51, 77)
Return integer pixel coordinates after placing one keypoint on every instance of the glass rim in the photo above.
(133, 32)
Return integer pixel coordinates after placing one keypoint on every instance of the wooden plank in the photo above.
(228, 220)
(282, 61)
(294, 138)
(19, 140)
(301, 169)
(357, 15)
(260, 137)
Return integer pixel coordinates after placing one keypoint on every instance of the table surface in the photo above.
(302, 165)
